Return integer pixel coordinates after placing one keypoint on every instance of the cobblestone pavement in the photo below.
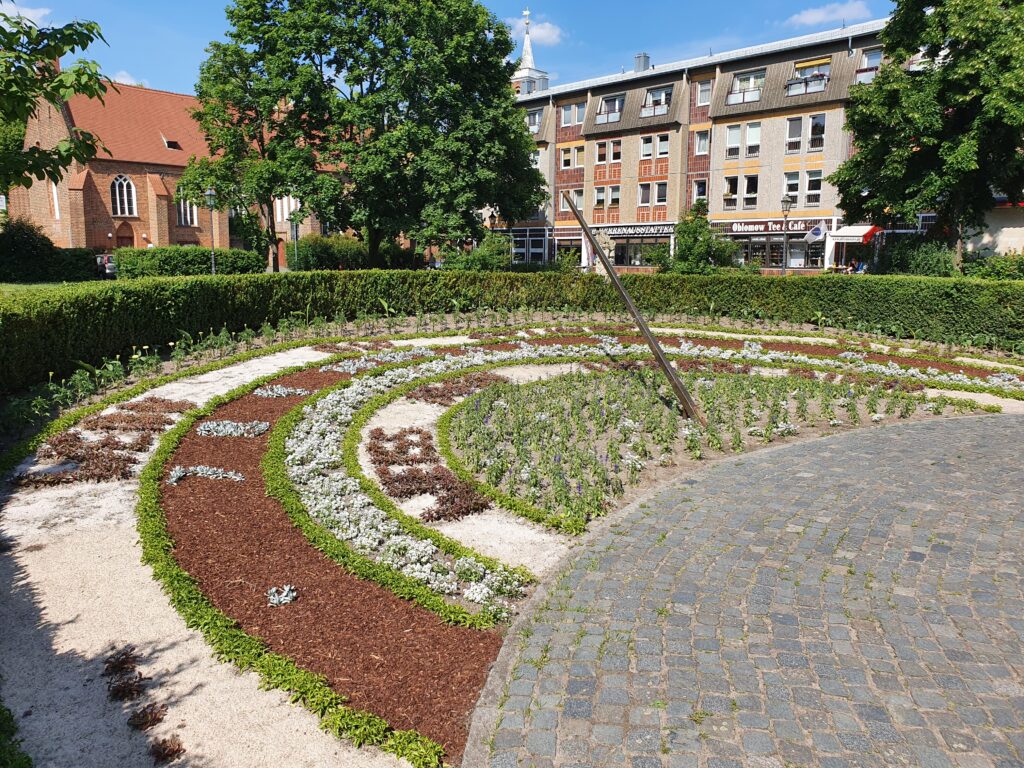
(855, 601)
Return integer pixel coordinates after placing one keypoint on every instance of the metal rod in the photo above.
(687, 402)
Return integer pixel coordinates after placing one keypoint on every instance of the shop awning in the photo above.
(858, 233)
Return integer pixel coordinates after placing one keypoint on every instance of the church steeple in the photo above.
(528, 62)
(528, 78)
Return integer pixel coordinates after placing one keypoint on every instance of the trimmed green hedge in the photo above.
(27, 255)
(48, 330)
(184, 260)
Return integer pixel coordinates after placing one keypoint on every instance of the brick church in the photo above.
(125, 197)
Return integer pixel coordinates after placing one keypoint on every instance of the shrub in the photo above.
(913, 255)
(328, 253)
(1004, 266)
(27, 255)
(493, 254)
(182, 260)
(48, 330)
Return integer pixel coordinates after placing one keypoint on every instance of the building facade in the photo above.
(126, 197)
(740, 130)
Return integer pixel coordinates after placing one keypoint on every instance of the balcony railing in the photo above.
(654, 110)
(608, 117)
(865, 75)
(744, 96)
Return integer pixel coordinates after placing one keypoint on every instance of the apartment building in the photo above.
(742, 130)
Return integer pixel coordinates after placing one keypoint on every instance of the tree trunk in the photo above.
(271, 233)
(959, 261)
(374, 237)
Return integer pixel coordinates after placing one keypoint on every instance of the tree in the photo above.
(424, 119)
(697, 248)
(941, 127)
(30, 75)
(253, 92)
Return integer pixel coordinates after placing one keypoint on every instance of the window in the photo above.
(602, 153)
(750, 192)
(644, 196)
(661, 193)
(732, 185)
(646, 147)
(817, 140)
(700, 190)
(813, 188)
(613, 196)
(172, 144)
(599, 197)
(702, 142)
(732, 141)
(610, 110)
(663, 145)
(616, 151)
(657, 102)
(533, 118)
(188, 214)
(869, 65)
(284, 207)
(567, 158)
(577, 197)
(753, 139)
(535, 158)
(792, 184)
(703, 93)
(794, 134)
(746, 87)
(56, 201)
(809, 77)
(581, 155)
(122, 196)
(572, 114)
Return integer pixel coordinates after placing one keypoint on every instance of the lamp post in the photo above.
(787, 206)
(211, 201)
(492, 220)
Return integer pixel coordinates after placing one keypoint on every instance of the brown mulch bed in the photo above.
(945, 367)
(550, 341)
(504, 346)
(387, 655)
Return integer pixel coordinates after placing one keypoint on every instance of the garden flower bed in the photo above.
(286, 506)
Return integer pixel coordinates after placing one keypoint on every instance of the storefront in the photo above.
(767, 242)
(530, 246)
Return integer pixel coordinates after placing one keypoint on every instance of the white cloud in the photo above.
(854, 10)
(36, 15)
(126, 78)
(541, 32)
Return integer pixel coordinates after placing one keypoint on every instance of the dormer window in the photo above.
(533, 118)
(746, 87)
(172, 144)
(610, 110)
(657, 102)
(809, 77)
(870, 63)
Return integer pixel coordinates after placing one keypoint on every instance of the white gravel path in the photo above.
(74, 589)
(437, 341)
(989, 364)
(692, 333)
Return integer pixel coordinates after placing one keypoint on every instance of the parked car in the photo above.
(106, 269)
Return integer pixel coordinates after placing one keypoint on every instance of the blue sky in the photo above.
(162, 45)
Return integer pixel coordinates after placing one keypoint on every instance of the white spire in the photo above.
(527, 62)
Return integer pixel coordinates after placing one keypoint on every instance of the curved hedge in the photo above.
(48, 330)
(182, 260)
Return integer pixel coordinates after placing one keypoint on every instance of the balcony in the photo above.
(608, 117)
(654, 110)
(865, 76)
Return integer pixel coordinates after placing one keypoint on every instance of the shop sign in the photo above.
(772, 226)
(639, 230)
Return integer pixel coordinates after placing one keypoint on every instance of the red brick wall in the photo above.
(697, 166)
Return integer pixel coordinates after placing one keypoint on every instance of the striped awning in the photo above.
(858, 233)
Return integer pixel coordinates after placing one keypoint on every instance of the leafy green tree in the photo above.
(30, 75)
(493, 254)
(424, 119)
(697, 248)
(941, 126)
(253, 92)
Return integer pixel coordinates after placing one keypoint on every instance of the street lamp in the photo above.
(492, 220)
(787, 206)
(211, 202)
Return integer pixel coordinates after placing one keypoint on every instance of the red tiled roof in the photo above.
(133, 123)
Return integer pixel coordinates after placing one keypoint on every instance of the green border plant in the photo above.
(233, 645)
